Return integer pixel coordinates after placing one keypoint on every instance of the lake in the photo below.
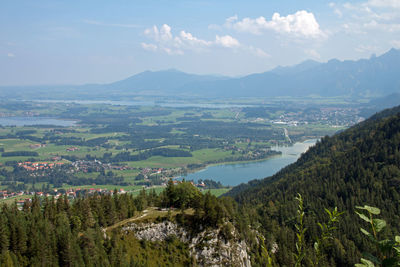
(150, 103)
(28, 121)
(234, 174)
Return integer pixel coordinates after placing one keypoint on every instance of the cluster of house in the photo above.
(34, 166)
(74, 192)
(5, 194)
(96, 165)
(71, 193)
(72, 148)
(79, 165)
(199, 185)
(331, 115)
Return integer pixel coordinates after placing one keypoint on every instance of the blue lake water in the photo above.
(28, 121)
(234, 174)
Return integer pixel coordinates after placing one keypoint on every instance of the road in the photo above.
(287, 135)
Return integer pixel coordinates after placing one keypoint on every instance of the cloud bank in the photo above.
(299, 24)
(165, 41)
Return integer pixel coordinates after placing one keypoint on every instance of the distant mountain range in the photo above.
(373, 77)
(377, 76)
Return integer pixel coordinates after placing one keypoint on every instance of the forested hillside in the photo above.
(360, 166)
(87, 231)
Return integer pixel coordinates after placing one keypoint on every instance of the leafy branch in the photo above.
(387, 251)
(301, 230)
(321, 241)
(326, 233)
(265, 253)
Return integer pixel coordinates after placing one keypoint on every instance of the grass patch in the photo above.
(217, 192)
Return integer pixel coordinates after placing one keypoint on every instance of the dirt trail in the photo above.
(132, 219)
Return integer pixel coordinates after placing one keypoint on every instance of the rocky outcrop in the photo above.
(208, 247)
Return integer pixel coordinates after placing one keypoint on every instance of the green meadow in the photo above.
(178, 140)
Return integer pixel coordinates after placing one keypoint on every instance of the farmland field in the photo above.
(128, 147)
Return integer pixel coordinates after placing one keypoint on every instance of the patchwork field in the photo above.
(128, 147)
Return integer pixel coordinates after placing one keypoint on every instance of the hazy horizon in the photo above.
(56, 42)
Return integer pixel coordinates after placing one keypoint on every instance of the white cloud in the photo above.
(336, 10)
(163, 34)
(313, 53)
(370, 16)
(173, 45)
(150, 47)
(348, 6)
(189, 39)
(299, 24)
(227, 41)
(384, 3)
(374, 9)
(229, 21)
(164, 40)
(389, 27)
(371, 24)
(10, 55)
(170, 51)
(258, 52)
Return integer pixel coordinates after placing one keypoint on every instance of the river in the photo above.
(28, 121)
(237, 173)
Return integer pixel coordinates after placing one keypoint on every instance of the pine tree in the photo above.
(4, 234)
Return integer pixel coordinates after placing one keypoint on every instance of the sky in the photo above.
(101, 41)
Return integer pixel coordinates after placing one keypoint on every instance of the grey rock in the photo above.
(207, 247)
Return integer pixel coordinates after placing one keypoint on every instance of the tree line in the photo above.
(58, 232)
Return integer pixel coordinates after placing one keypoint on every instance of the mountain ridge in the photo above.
(379, 75)
(374, 77)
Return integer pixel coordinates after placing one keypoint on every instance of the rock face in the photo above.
(208, 247)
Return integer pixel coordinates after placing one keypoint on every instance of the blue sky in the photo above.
(98, 41)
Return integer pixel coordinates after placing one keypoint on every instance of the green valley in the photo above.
(123, 146)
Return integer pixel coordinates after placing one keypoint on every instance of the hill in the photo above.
(360, 166)
(168, 81)
(179, 227)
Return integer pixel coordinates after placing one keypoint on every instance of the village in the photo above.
(72, 193)
(334, 116)
(35, 166)
(146, 175)
(79, 165)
